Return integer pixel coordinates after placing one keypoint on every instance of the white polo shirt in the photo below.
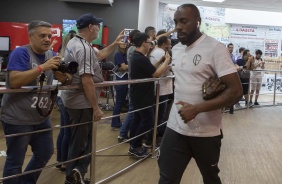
(192, 66)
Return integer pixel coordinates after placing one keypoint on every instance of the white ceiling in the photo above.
(92, 1)
(263, 5)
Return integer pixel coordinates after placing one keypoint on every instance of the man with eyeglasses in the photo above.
(142, 94)
(166, 86)
(27, 64)
(82, 104)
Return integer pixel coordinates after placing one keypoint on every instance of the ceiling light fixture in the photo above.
(111, 2)
(216, 1)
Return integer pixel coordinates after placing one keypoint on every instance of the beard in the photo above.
(185, 38)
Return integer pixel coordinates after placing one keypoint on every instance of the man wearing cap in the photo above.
(83, 104)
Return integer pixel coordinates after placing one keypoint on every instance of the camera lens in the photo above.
(73, 67)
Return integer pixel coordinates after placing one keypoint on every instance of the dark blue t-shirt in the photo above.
(21, 57)
(241, 62)
(119, 59)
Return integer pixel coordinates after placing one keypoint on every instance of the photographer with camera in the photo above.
(82, 104)
(26, 65)
(156, 58)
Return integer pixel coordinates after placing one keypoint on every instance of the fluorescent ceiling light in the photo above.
(217, 1)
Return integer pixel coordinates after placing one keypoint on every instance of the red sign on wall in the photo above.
(18, 34)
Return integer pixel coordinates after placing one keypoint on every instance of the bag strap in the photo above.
(52, 97)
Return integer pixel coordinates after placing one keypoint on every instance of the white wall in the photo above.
(252, 17)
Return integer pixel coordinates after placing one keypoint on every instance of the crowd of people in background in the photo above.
(193, 126)
(251, 79)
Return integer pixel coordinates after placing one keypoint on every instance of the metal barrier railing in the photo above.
(94, 127)
(275, 72)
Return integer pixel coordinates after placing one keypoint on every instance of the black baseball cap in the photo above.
(84, 20)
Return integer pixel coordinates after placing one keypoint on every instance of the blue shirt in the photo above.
(119, 59)
(233, 58)
(19, 59)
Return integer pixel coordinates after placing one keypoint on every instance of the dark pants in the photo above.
(81, 139)
(168, 106)
(245, 85)
(64, 134)
(161, 115)
(121, 92)
(41, 146)
(124, 129)
(143, 121)
(177, 150)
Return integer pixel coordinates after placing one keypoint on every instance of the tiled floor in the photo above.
(251, 151)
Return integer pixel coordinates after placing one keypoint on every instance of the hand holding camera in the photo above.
(65, 67)
(51, 64)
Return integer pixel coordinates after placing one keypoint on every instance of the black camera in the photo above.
(70, 67)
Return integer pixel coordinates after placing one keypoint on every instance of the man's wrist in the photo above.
(66, 80)
(39, 68)
(96, 107)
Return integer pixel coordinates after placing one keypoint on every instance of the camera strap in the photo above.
(52, 97)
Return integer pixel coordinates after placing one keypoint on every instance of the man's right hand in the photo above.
(97, 114)
(167, 57)
(52, 63)
(119, 39)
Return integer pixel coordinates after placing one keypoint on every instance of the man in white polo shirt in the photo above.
(194, 125)
(166, 88)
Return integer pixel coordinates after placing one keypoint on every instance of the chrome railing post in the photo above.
(249, 95)
(156, 119)
(93, 152)
(274, 95)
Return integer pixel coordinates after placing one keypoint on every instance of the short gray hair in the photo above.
(37, 23)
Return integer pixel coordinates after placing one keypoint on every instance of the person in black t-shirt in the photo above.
(245, 64)
(142, 94)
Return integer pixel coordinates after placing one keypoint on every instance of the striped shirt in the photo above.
(79, 50)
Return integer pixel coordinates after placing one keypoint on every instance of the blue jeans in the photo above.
(41, 146)
(143, 121)
(121, 92)
(161, 115)
(129, 118)
(64, 134)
